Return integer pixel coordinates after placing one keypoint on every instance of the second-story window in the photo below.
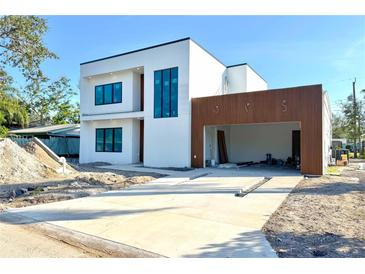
(166, 93)
(108, 94)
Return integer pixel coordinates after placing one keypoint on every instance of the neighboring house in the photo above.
(62, 139)
(176, 105)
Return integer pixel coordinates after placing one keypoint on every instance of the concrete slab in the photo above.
(175, 218)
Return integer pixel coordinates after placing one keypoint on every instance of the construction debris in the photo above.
(17, 165)
(28, 176)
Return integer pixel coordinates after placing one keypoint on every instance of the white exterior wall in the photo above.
(254, 81)
(205, 73)
(166, 140)
(136, 91)
(252, 142)
(87, 142)
(87, 94)
(244, 79)
(326, 131)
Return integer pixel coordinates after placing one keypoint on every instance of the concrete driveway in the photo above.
(179, 217)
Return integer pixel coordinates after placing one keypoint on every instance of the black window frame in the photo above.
(161, 114)
(112, 99)
(113, 139)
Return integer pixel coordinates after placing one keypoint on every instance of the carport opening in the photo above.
(262, 144)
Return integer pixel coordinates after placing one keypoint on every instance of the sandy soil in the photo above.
(20, 241)
(86, 180)
(322, 217)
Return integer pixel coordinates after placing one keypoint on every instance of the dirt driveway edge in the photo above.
(90, 243)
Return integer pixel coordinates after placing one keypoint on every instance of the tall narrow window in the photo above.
(174, 94)
(108, 94)
(166, 93)
(118, 140)
(109, 140)
(117, 92)
(158, 94)
(99, 94)
(99, 140)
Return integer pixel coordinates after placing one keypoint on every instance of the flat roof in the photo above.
(152, 47)
(45, 129)
(169, 43)
(137, 50)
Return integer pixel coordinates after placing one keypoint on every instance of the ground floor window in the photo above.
(109, 139)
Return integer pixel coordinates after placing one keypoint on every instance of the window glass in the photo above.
(166, 93)
(99, 140)
(108, 140)
(108, 94)
(157, 94)
(98, 95)
(118, 140)
(174, 93)
(117, 92)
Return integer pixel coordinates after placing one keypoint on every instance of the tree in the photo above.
(44, 100)
(13, 113)
(22, 47)
(353, 118)
(67, 114)
(338, 127)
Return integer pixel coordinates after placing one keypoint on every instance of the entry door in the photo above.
(295, 144)
(222, 147)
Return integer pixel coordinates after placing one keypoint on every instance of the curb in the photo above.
(90, 243)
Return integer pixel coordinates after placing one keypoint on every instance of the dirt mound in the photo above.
(41, 155)
(17, 165)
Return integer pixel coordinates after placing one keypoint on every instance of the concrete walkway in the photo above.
(176, 217)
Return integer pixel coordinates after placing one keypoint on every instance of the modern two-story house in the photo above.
(176, 105)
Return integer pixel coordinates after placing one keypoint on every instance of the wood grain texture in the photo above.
(297, 104)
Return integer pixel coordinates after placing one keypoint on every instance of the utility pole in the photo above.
(355, 116)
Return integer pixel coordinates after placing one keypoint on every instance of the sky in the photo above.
(285, 50)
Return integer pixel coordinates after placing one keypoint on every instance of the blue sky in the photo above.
(285, 50)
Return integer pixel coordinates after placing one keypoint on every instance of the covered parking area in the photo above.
(270, 144)
(244, 127)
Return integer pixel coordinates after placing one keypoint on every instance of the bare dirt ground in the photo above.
(19, 241)
(322, 217)
(29, 176)
(86, 180)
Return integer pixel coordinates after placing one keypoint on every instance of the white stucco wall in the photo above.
(205, 73)
(87, 93)
(136, 91)
(166, 140)
(236, 77)
(326, 130)
(87, 142)
(252, 142)
(243, 78)
(254, 81)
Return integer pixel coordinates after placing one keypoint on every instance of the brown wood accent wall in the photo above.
(298, 104)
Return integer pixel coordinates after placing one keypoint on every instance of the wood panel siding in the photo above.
(298, 104)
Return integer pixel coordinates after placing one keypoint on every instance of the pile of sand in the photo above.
(41, 155)
(17, 165)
